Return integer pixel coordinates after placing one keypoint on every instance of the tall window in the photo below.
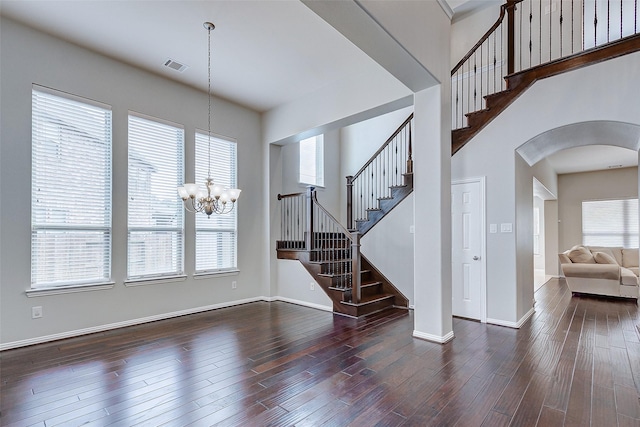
(155, 216)
(610, 223)
(216, 236)
(312, 161)
(70, 190)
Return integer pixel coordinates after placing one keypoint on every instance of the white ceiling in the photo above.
(592, 158)
(265, 53)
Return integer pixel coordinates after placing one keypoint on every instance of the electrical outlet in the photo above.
(312, 286)
(234, 284)
(36, 312)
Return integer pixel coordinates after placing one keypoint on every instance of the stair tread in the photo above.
(367, 284)
(341, 274)
(327, 261)
(369, 299)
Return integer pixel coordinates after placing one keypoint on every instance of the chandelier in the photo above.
(212, 198)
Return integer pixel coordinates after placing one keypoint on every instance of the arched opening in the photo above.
(594, 162)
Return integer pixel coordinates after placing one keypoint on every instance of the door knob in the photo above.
(476, 258)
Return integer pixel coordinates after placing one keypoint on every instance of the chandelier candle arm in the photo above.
(212, 198)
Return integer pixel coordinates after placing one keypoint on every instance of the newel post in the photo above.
(308, 235)
(350, 202)
(409, 153)
(511, 38)
(356, 293)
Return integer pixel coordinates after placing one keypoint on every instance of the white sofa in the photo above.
(601, 270)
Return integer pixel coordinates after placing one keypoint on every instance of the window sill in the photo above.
(68, 289)
(154, 280)
(208, 274)
(317, 187)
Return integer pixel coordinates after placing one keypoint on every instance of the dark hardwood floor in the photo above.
(575, 363)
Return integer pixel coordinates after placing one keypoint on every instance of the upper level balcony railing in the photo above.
(530, 33)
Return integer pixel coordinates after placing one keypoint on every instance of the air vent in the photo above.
(175, 65)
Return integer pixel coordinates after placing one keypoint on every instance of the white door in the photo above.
(466, 243)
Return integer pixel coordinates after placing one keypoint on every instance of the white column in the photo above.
(432, 216)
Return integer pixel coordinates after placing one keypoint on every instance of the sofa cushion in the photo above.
(592, 271)
(603, 258)
(581, 255)
(634, 270)
(630, 257)
(627, 278)
(614, 252)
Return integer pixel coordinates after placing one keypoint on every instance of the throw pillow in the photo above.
(581, 255)
(603, 258)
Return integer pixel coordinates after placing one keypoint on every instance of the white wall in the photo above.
(612, 95)
(575, 187)
(552, 248)
(466, 31)
(523, 229)
(539, 258)
(28, 57)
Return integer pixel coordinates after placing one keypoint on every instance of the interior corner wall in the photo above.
(539, 258)
(28, 56)
(599, 185)
(292, 281)
(551, 250)
(524, 236)
(275, 188)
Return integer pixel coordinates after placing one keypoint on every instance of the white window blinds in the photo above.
(155, 215)
(216, 235)
(610, 223)
(312, 161)
(70, 190)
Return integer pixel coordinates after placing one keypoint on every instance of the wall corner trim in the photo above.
(446, 8)
(515, 325)
(433, 338)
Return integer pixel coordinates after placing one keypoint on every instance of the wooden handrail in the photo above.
(331, 217)
(284, 196)
(503, 10)
(383, 146)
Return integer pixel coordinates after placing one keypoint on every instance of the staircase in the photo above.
(481, 86)
(331, 252)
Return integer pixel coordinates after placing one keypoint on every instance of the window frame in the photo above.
(200, 172)
(177, 206)
(628, 211)
(61, 125)
(317, 179)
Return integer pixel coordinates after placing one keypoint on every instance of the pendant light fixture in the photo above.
(212, 198)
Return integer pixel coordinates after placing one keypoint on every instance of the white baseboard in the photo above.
(515, 325)
(433, 338)
(138, 321)
(141, 320)
(298, 302)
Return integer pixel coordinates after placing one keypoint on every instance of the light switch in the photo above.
(493, 228)
(506, 227)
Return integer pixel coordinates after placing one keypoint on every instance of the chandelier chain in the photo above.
(209, 96)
